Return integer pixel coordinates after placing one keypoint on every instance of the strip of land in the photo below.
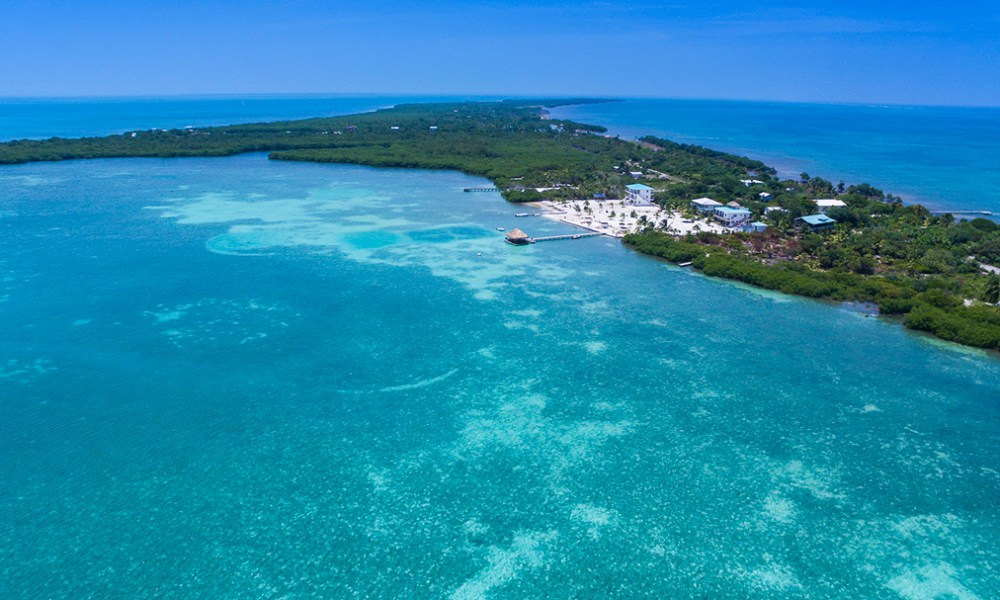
(727, 215)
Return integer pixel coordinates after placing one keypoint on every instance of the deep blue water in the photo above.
(944, 157)
(241, 378)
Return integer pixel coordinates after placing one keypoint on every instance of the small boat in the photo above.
(576, 236)
(522, 214)
(501, 229)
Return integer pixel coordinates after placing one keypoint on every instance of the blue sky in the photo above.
(877, 51)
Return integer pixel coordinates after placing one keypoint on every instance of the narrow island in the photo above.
(725, 215)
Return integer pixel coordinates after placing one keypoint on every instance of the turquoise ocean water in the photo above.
(241, 378)
(944, 157)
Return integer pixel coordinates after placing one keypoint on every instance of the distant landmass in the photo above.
(939, 274)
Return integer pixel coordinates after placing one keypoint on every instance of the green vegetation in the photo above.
(934, 303)
(508, 142)
(928, 269)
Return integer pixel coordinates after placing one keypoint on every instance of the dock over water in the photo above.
(985, 213)
(568, 236)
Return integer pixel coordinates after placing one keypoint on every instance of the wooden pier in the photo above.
(985, 213)
(489, 189)
(568, 236)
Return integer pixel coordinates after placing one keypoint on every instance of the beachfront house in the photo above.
(755, 227)
(705, 205)
(818, 222)
(825, 204)
(730, 216)
(638, 194)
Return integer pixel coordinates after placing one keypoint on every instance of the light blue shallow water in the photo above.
(944, 157)
(242, 378)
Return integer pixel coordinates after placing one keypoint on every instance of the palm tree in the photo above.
(993, 290)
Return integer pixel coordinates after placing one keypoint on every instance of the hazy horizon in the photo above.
(473, 97)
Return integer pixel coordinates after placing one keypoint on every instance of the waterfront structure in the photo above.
(517, 237)
(824, 204)
(638, 194)
(705, 205)
(730, 216)
(818, 222)
(756, 227)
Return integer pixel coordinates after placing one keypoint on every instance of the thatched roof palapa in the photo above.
(516, 234)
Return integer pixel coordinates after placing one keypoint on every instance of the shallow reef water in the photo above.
(242, 378)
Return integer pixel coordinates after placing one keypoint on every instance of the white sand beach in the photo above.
(617, 218)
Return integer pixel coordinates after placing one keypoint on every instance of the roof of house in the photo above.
(729, 210)
(705, 202)
(829, 202)
(814, 220)
(638, 186)
(758, 224)
(734, 204)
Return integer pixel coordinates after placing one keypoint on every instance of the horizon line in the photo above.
(474, 96)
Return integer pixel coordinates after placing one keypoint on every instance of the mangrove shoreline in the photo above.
(930, 270)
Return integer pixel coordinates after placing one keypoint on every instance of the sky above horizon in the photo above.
(916, 52)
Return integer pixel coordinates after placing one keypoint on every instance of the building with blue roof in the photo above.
(638, 194)
(731, 216)
(815, 222)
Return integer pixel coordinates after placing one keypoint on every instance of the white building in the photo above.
(730, 216)
(825, 204)
(705, 205)
(638, 194)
